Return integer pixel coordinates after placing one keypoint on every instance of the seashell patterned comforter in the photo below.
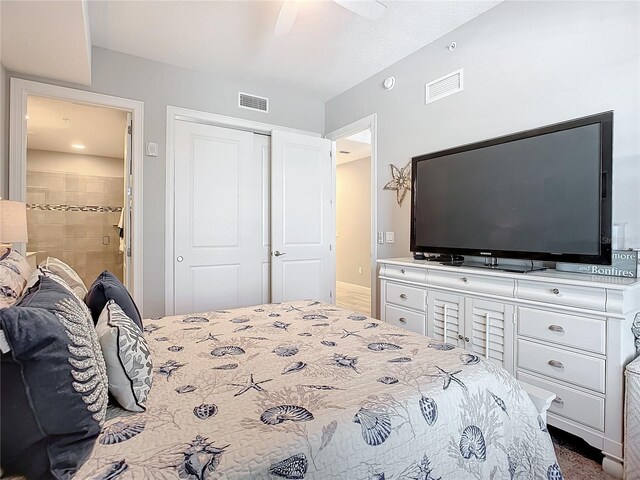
(310, 391)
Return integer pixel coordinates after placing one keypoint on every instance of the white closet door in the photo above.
(219, 197)
(302, 261)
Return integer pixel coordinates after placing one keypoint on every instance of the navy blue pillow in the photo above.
(48, 422)
(108, 287)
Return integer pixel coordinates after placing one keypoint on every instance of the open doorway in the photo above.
(76, 183)
(353, 221)
(20, 93)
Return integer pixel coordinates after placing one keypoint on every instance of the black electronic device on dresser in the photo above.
(542, 194)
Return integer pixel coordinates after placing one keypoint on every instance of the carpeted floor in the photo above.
(577, 459)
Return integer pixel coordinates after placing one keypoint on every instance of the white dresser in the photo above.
(563, 332)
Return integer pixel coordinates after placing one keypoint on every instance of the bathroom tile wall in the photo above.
(61, 225)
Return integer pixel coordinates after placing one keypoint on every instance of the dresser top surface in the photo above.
(550, 275)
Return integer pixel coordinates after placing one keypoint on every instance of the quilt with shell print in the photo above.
(311, 391)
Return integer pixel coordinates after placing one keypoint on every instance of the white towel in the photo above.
(121, 227)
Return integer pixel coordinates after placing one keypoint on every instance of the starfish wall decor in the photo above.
(401, 182)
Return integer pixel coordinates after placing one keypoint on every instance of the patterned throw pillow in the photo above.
(53, 383)
(67, 273)
(127, 356)
(14, 271)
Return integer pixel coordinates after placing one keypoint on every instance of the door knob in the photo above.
(278, 254)
(180, 258)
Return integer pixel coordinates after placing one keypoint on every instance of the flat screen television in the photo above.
(542, 194)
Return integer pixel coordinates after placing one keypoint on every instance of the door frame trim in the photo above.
(369, 122)
(20, 90)
(175, 114)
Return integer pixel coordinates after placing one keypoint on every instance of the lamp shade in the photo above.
(13, 222)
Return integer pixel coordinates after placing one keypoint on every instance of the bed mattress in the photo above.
(310, 391)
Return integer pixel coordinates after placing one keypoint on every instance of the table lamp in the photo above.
(13, 224)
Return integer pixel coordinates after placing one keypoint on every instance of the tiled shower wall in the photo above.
(74, 217)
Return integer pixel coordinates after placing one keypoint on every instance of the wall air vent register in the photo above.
(444, 86)
(253, 102)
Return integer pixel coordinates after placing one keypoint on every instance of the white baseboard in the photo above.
(352, 287)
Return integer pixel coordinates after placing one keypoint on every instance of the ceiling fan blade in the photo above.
(370, 9)
(286, 18)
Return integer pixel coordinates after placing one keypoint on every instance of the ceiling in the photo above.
(101, 130)
(357, 149)
(46, 38)
(329, 49)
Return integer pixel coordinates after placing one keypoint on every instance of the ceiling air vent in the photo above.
(253, 102)
(444, 86)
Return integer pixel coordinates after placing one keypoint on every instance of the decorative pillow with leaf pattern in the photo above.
(53, 383)
(127, 356)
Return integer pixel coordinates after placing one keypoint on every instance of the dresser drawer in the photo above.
(406, 296)
(475, 283)
(571, 330)
(570, 403)
(406, 319)
(561, 294)
(401, 272)
(567, 366)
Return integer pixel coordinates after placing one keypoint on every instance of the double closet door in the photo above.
(253, 218)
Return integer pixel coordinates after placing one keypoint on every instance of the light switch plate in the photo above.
(380, 238)
(152, 149)
(390, 237)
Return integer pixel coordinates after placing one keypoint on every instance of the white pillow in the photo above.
(127, 355)
(68, 274)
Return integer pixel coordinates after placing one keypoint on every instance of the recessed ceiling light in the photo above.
(78, 146)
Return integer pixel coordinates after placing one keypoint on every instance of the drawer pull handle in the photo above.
(403, 296)
(556, 328)
(402, 320)
(402, 271)
(465, 279)
(558, 400)
(466, 339)
(555, 364)
(555, 291)
(460, 337)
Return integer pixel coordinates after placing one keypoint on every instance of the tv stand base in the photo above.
(494, 266)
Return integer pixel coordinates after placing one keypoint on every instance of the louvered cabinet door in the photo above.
(445, 317)
(489, 330)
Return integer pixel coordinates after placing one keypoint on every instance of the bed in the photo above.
(308, 390)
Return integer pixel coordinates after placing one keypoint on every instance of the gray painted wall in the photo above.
(353, 222)
(526, 64)
(159, 85)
